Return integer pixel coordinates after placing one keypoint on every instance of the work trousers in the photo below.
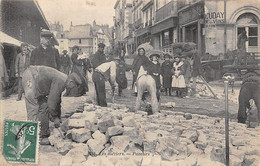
(38, 108)
(99, 82)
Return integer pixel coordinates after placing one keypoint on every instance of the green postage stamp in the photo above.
(21, 141)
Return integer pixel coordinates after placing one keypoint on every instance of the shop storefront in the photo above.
(164, 33)
(241, 16)
(191, 24)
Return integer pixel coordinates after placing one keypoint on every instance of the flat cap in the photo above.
(46, 34)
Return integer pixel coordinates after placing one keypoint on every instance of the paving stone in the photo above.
(239, 141)
(120, 142)
(80, 135)
(77, 116)
(66, 161)
(104, 125)
(94, 128)
(63, 147)
(118, 122)
(218, 154)
(100, 137)
(249, 159)
(91, 117)
(76, 123)
(81, 147)
(129, 121)
(115, 130)
(76, 155)
(191, 134)
(187, 116)
(235, 161)
(94, 147)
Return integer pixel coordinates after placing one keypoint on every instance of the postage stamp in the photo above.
(21, 141)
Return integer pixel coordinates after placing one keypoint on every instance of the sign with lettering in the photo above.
(215, 18)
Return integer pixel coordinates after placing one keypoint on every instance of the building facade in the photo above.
(63, 41)
(81, 35)
(164, 30)
(240, 15)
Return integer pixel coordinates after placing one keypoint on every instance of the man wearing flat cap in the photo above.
(45, 54)
(98, 77)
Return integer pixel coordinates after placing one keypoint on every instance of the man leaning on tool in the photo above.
(43, 87)
(101, 74)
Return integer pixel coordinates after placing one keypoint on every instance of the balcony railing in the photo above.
(168, 10)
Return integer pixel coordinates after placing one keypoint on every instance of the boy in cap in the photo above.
(22, 62)
(167, 74)
(45, 54)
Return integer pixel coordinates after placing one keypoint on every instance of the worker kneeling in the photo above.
(43, 87)
(149, 79)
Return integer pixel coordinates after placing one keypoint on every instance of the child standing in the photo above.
(167, 74)
(178, 82)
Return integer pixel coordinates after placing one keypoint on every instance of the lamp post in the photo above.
(227, 78)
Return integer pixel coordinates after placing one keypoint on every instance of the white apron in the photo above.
(178, 81)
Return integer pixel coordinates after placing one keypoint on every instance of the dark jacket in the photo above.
(45, 57)
(155, 71)
(79, 69)
(138, 62)
(65, 60)
(97, 59)
(167, 73)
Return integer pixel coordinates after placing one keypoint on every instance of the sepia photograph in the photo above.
(130, 82)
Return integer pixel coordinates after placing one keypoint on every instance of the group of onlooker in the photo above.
(176, 73)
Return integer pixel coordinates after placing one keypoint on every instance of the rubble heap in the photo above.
(115, 136)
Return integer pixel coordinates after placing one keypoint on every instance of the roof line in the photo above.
(40, 10)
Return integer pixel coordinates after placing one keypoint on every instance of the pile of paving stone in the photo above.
(115, 136)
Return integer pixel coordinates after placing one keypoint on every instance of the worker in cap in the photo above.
(102, 73)
(43, 87)
(45, 54)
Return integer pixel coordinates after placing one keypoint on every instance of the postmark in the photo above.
(21, 141)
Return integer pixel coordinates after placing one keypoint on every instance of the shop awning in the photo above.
(6, 39)
(166, 24)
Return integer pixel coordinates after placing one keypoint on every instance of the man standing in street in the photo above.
(105, 72)
(43, 87)
(97, 77)
(22, 62)
(65, 62)
(46, 54)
